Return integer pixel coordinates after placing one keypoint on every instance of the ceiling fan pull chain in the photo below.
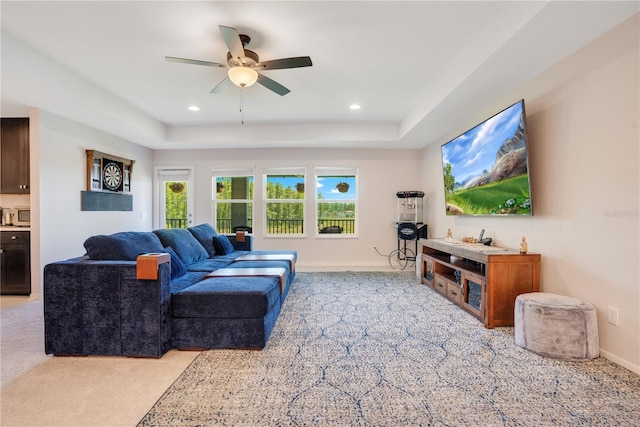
(241, 107)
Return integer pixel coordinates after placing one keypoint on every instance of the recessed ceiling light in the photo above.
(354, 107)
(194, 108)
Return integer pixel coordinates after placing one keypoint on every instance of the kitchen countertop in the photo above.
(13, 228)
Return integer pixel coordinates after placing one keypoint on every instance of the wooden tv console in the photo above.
(488, 278)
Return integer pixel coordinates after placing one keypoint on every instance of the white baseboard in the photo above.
(618, 361)
(347, 266)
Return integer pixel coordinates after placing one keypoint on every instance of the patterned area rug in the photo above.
(379, 349)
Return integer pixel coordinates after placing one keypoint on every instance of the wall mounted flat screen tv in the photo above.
(486, 169)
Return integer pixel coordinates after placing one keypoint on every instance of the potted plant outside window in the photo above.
(176, 187)
(342, 187)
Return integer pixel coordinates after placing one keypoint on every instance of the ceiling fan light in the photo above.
(243, 76)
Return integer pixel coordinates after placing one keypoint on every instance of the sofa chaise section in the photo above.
(97, 304)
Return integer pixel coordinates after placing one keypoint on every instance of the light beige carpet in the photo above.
(40, 390)
(89, 391)
(22, 339)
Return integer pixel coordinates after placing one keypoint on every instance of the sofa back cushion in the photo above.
(223, 245)
(183, 243)
(124, 246)
(177, 266)
(205, 233)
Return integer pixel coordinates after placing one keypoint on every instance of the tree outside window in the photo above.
(284, 203)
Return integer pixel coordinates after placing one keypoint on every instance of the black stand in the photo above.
(407, 232)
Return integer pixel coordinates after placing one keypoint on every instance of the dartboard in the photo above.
(112, 176)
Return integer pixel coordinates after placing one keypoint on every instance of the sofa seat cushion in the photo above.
(182, 241)
(227, 297)
(124, 246)
(205, 233)
(190, 278)
(232, 256)
(209, 265)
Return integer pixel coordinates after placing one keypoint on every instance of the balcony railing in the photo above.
(294, 226)
(176, 222)
(279, 226)
(285, 226)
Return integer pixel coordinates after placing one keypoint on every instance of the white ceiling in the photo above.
(417, 68)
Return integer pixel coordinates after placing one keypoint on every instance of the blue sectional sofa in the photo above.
(104, 303)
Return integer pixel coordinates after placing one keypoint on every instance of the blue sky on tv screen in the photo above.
(475, 150)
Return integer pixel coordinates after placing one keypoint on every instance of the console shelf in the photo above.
(483, 280)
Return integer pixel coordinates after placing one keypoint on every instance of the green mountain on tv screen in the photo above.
(485, 170)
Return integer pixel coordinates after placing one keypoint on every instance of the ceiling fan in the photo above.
(244, 64)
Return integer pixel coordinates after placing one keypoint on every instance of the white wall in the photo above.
(381, 173)
(582, 119)
(59, 227)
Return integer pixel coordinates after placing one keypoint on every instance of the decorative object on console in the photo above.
(523, 246)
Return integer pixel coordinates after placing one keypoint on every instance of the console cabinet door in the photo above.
(474, 296)
(509, 276)
(427, 271)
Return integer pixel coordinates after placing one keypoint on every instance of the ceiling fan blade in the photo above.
(278, 64)
(272, 85)
(220, 87)
(193, 61)
(233, 42)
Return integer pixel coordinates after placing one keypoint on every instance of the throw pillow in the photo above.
(177, 266)
(124, 246)
(204, 233)
(223, 245)
(183, 243)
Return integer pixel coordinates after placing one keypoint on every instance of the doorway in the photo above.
(175, 198)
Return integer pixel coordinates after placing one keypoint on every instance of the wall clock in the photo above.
(112, 175)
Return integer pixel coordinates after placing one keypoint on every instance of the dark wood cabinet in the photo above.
(15, 265)
(14, 150)
(483, 280)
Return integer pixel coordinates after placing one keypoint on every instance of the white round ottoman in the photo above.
(556, 326)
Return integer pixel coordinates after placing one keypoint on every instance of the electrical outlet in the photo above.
(613, 315)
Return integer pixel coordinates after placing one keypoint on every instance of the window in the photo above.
(284, 202)
(336, 201)
(176, 198)
(233, 200)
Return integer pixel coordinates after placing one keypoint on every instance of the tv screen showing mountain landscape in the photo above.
(486, 169)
